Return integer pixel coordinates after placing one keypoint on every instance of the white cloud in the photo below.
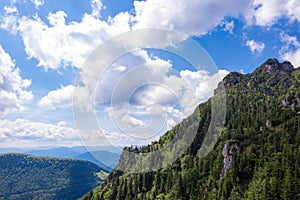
(154, 94)
(104, 138)
(56, 44)
(62, 123)
(153, 70)
(291, 50)
(134, 84)
(190, 17)
(173, 116)
(57, 19)
(255, 47)
(10, 9)
(22, 131)
(203, 83)
(96, 7)
(119, 68)
(60, 44)
(228, 26)
(131, 121)
(38, 3)
(151, 90)
(293, 57)
(13, 93)
(267, 13)
(9, 23)
(60, 98)
(289, 40)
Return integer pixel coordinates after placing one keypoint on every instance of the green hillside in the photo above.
(27, 177)
(256, 157)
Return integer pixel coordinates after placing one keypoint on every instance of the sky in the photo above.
(45, 45)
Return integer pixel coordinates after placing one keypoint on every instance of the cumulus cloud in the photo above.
(13, 93)
(133, 85)
(228, 26)
(103, 137)
(291, 49)
(62, 123)
(22, 131)
(56, 43)
(9, 21)
(190, 17)
(96, 7)
(267, 13)
(60, 44)
(255, 47)
(203, 83)
(69, 44)
(122, 116)
(152, 70)
(154, 94)
(60, 98)
(138, 95)
(10, 9)
(38, 3)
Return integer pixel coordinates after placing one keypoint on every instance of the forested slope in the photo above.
(256, 157)
(27, 177)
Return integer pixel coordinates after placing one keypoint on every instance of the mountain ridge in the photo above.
(257, 155)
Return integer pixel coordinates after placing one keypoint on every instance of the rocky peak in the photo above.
(232, 79)
(287, 66)
(269, 78)
(229, 81)
(272, 66)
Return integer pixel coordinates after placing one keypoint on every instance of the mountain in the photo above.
(21, 150)
(107, 160)
(106, 157)
(256, 155)
(28, 177)
(59, 152)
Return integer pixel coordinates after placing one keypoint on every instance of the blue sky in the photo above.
(44, 44)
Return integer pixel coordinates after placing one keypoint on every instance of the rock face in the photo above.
(271, 69)
(268, 124)
(229, 81)
(227, 153)
(227, 161)
(273, 66)
(287, 66)
(290, 102)
(232, 79)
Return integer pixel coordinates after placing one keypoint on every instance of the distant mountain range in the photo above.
(107, 160)
(41, 178)
(106, 157)
(60, 152)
